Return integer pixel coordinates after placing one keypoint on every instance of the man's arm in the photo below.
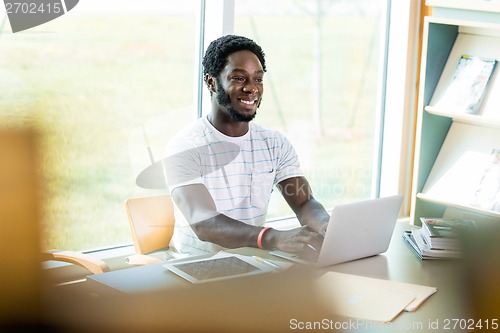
(298, 195)
(197, 205)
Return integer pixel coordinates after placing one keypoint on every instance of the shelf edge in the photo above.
(440, 201)
(465, 118)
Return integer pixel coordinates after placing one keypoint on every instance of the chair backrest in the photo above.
(151, 222)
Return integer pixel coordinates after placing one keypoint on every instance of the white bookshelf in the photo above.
(475, 5)
(453, 149)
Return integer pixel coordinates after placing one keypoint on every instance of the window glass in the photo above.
(111, 81)
(321, 88)
(102, 83)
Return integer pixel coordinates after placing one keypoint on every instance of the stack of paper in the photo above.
(424, 251)
(439, 237)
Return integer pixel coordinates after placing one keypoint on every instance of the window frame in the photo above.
(399, 101)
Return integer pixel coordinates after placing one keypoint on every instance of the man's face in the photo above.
(240, 86)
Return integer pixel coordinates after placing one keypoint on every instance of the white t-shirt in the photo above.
(239, 173)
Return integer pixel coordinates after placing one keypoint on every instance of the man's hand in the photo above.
(299, 240)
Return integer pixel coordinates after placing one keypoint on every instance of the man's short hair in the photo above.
(215, 58)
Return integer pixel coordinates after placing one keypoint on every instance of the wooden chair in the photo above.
(151, 222)
(86, 261)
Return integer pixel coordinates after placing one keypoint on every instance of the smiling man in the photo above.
(222, 169)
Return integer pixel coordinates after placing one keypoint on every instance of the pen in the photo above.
(312, 247)
(267, 262)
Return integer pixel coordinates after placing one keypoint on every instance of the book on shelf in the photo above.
(468, 85)
(487, 194)
(423, 250)
(444, 233)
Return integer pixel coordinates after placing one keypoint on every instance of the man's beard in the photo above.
(225, 101)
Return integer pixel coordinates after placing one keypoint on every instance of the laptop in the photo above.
(356, 230)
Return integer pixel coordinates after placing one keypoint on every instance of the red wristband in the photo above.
(261, 234)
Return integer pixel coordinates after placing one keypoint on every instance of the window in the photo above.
(110, 82)
(96, 81)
